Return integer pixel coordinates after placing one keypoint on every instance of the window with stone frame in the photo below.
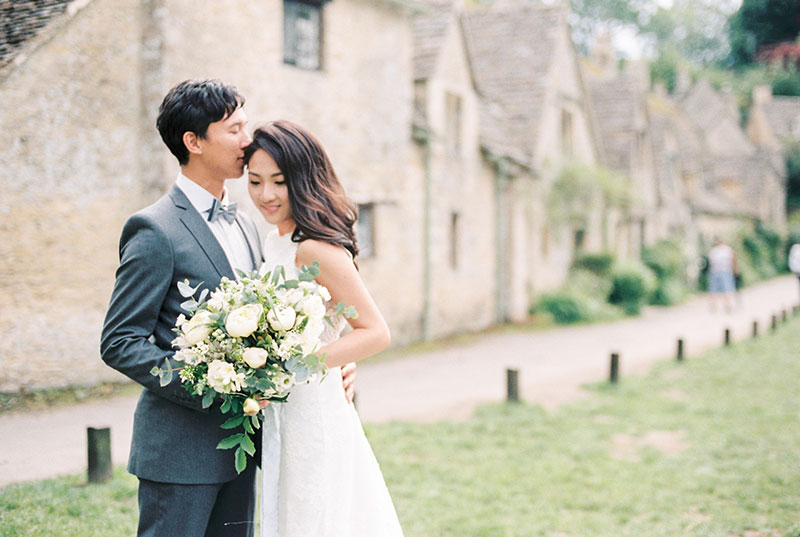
(365, 230)
(452, 133)
(302, 33)
(567, 134)
(454, 239)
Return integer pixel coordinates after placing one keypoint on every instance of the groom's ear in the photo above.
(191, 142)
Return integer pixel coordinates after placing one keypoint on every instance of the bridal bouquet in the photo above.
(249, 340)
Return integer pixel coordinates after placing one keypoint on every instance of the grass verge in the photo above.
(709, 447)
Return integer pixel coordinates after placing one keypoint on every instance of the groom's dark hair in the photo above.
(192, 106)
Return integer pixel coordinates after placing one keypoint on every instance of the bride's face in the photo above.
(268, 190)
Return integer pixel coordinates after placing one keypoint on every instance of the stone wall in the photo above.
(68, 135)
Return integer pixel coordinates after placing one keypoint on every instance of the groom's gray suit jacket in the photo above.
(174, 439)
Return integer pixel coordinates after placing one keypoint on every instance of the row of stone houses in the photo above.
(450, 126)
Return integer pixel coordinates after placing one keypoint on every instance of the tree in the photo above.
(759, 23)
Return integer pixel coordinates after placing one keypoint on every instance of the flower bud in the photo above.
(251, 407)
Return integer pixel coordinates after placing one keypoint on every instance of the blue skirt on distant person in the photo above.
(721, 282)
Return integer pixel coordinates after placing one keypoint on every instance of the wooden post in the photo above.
(727, 336)
(512, 385)
(680, 350)
(755, 328)
(614, 371)
(774, 322)
(99, 442)
(784, 316)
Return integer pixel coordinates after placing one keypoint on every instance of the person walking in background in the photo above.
(721, 271)
(794, 259)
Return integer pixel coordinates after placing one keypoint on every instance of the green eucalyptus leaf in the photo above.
(230, 441)
(233, 422)
(241, 460)
(226, 405)
(247, 444)
(208, 398)
(248, 426)
(187, 290)
(203, 295)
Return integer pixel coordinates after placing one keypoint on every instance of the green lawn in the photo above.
(709, 447)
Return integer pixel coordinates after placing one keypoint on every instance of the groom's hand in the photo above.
(348, 381)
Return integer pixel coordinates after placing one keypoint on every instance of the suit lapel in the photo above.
(200, 231)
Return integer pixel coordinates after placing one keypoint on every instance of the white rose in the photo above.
(314, 307)
(243, 321)
(223, 378)
(197, 328)
(255, 357)
(181, 319)
(281, 318)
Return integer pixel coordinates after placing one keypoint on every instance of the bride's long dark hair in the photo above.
(320, 208)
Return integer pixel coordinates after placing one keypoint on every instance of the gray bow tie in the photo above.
(218, 210)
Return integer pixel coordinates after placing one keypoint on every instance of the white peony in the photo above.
(281, 318)
(223, 378)
(243, 321)
(311, 334)
(314, 307)
(255, 357)
(198, 327)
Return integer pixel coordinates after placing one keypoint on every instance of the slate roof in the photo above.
(511, 50)
(706, 108)
(783, 115)
(21, 20)
(430, 30)
(615, 104)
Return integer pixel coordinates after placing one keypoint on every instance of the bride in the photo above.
(327, 479)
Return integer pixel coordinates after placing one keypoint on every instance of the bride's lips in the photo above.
(271, 208)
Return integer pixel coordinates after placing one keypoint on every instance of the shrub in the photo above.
(599, 264)
(669, 292)
(665, 258)
(564, 307)
(632, 285)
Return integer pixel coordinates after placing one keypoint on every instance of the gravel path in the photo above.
(447, 383)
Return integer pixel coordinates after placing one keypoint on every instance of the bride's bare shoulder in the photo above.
(324, 253)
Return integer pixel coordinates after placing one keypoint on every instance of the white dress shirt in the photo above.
(230, 236)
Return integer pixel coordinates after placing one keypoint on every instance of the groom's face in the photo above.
(223, 145)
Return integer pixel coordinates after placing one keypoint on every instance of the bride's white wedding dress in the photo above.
(329, 482)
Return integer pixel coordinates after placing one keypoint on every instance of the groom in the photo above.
(187, 487)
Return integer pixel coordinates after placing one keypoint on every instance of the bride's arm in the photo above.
(370, 333)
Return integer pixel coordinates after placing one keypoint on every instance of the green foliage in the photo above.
(664, 69)
(632, 285)
(762, 22)
(597, 263)
(793, 176)
(581, 299)
(667, 261)
(565, 308)
(786, 81)
(579, 189)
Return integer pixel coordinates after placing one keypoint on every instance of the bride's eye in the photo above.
(280, 183)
